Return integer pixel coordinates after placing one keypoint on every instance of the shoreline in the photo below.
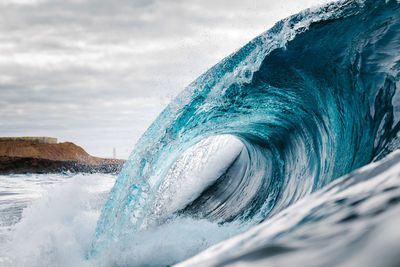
(22, 157)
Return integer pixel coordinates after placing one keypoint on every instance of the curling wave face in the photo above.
(308, 101)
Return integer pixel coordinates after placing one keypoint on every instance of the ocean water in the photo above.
(49, 219)
(353, 221)
(283, 154)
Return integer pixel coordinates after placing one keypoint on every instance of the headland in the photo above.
(45, 155)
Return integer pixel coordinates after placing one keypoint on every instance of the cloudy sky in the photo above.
(97, 73)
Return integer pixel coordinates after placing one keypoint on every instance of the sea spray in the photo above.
(311, 100)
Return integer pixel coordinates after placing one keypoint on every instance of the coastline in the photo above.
(20, 157)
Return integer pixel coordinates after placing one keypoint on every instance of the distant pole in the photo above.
(114, 153)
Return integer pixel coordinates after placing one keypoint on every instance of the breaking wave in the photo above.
(306, 102)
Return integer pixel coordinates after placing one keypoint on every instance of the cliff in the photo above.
(18, 156)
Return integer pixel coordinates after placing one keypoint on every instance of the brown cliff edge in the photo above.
(18, 157)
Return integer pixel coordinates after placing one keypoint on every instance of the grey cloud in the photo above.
(105, 69)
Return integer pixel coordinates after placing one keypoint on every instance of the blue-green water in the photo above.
(260, 154)
(312, 99)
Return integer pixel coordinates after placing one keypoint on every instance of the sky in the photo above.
(97, 73)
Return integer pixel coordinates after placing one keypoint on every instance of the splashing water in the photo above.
(310, 100)
(254, 150)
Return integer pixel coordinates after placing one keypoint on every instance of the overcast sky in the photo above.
(97, 73)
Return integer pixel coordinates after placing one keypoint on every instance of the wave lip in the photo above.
(312, 99)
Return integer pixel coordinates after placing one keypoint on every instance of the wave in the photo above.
(304, 103)
(351, 222)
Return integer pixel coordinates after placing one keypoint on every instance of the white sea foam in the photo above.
(57, 230)
(197, 168)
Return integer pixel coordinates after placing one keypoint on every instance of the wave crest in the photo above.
(311, 99)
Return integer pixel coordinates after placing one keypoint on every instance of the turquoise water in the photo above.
(312, 99)
(255, 162)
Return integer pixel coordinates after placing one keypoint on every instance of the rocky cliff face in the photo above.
(34, 157)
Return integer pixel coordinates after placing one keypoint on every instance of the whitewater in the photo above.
(283, 154)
